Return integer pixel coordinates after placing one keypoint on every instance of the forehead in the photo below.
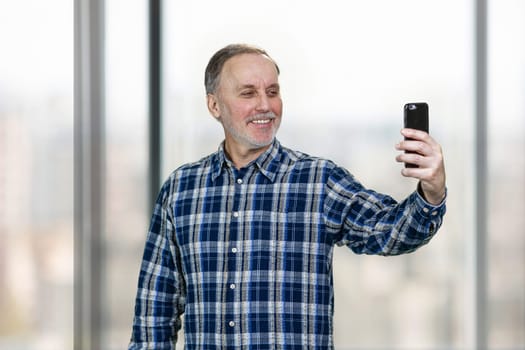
(249, 68)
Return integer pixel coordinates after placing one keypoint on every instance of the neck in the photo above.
(241, 157)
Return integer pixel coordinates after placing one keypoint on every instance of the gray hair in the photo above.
(213, 71)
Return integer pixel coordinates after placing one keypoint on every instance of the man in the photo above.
(241, 241)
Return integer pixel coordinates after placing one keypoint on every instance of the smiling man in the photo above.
(241, 241)
(247, 102)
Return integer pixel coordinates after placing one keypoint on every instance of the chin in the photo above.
(263, 142)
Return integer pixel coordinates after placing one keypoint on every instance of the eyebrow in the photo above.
(252, 86)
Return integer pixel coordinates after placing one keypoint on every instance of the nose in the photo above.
(263, 103)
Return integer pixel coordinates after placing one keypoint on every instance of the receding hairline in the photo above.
(217, 62)
(227, 64)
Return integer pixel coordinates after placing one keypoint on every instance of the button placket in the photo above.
(236, 235)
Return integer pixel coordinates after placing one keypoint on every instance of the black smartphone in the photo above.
(415, 117)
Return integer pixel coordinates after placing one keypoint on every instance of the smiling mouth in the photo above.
(261, 121)
(262, 118)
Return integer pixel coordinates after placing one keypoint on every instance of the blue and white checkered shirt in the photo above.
(246, 255)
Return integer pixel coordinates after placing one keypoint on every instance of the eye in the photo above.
(247, 93)
(273, 92)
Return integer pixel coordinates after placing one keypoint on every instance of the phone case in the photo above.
(416, 117)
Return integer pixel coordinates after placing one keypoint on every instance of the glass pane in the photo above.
(36, 175)
(347, 70)
(127, 146)
(507, 174)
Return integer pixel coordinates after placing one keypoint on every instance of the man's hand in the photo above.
(429, 158)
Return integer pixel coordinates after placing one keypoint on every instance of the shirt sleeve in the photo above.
(160, 296)
(372, 223)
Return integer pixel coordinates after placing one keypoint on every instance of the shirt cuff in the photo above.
(430, 210)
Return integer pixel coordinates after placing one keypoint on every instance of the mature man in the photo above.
(241, 241)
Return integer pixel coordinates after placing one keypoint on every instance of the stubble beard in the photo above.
(243, 137)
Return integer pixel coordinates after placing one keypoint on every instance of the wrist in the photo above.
(432, 197)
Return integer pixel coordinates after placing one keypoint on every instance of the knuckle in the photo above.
(417, 158)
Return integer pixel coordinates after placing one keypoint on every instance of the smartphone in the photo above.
(415, 117)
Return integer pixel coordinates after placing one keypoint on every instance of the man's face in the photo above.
(247, 103)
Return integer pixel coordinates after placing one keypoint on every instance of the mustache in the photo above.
(260, 116)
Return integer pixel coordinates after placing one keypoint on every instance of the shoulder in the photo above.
(315, 169)
(189, 173)
(301, 160)
(196, 167)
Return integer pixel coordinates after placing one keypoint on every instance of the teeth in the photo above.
(262, 121)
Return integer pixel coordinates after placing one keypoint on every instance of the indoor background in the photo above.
(101, 100)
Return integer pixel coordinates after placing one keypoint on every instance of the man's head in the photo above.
(243, 94)
(213, 71)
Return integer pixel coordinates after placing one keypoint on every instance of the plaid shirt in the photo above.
(246, 254)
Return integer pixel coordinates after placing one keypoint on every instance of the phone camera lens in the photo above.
(412, 107)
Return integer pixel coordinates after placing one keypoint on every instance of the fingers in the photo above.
(417, 135)
(422, 149)
(415, 147)
(427, 154)
(424, 152)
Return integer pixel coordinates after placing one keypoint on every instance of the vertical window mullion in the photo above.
(155, 97)
(481, 183)
(89, 172)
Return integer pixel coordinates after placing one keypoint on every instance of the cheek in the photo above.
(277, 106)
(235, 110)
(244, 109)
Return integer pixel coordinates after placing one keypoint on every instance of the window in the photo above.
(127, 209)
(346, 71)
(347, 68)
(36, 175)
(506, 191)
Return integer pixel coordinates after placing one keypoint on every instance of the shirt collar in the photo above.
(267, 163)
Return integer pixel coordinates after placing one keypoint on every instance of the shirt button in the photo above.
(425, 210)
(434, 213)
(234, 250)
(235, 214)
(232, 286)
(231, 324)
(239, 181)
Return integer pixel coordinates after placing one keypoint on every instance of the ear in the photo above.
(213, 105)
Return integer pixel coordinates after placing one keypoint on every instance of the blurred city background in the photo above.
(347, 68)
